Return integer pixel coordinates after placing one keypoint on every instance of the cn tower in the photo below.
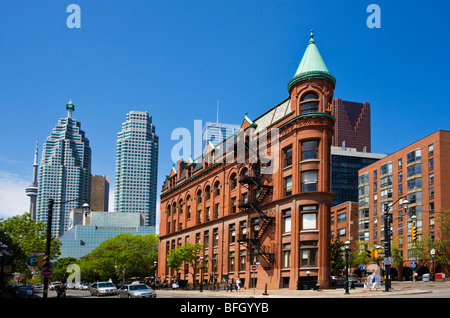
(32, 190)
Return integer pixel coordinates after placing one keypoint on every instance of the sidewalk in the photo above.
(398, 289)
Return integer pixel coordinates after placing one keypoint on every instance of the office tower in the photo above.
(345, 165)
(216, 133)
(352, 127)
(245, 214)
(99, 193)
(136, 167)
(32, 190)
(65, 172)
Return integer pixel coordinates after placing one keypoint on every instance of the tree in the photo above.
(23, 236)
(60, 268)
(336, 259)
(444, 219)
(185, 253)
(126, 253)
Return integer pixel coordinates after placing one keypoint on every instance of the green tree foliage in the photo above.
(185, 253)
(23, 235)
(336, 258)
(60, 268)
(123, 255)
(444, 219)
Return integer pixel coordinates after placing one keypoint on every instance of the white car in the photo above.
(54, 285)
(103, 288)
(136, 291)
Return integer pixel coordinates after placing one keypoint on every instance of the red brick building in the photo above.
(344, 223)
(352, 124)
(420, 173)
(246, 209)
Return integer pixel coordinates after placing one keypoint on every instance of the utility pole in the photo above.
(51, 202)
(387, 246)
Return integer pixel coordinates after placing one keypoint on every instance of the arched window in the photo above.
(233, 181)
(208, 192)
(309, 103)
(217, 188)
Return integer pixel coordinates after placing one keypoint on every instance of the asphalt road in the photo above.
(403, 289)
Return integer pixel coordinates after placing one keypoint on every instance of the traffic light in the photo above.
(413, 233)
(369, 253)
(43, 261)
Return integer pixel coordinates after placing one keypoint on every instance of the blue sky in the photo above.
(176, 58)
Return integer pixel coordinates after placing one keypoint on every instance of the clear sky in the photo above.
(176, 58)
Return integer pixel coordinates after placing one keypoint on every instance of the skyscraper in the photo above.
(216, 133)
(99, 193)
(32, 189)
(65, 171)
(136, 167)
(352, 127)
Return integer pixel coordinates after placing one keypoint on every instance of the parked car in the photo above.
(38, 285)
(136, 291)
(83, 286)
(54, 285)
(354, 278)
(25, 291)
(103, 288)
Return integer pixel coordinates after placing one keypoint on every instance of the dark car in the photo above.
(136, 291)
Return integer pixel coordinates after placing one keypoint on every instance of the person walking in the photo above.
(238, 284)
(374, 282)
(230, 285)
(366, 282)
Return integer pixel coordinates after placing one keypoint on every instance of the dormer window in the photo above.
(309, 103)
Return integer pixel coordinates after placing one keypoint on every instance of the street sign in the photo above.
(253, 268)
(32, 261)
(413, 265)
(46, 272)
(388, 260)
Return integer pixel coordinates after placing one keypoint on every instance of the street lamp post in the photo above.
(156, 270)
(86, 211)
(387, 241)
(3, 251)
(51, 203)
(347, 249)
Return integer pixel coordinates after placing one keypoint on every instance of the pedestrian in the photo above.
(238, 284)
(230, 285)
(369, 280)
(61, 291)
(374, 282)
(366, 282)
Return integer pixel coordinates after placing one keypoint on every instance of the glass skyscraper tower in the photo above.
(64, 173)
(136, 167)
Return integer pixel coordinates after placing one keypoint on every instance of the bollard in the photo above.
(265, 291)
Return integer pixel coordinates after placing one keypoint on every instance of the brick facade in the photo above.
(419, 173)
(245, 215)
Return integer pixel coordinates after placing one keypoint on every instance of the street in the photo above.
(398, 290)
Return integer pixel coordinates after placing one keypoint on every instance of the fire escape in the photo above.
(252, 201)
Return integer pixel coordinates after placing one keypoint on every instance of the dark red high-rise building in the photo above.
(352, 124)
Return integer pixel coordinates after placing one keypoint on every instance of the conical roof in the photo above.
(311, 66)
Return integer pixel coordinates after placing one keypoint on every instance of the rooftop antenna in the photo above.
(217, 111)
